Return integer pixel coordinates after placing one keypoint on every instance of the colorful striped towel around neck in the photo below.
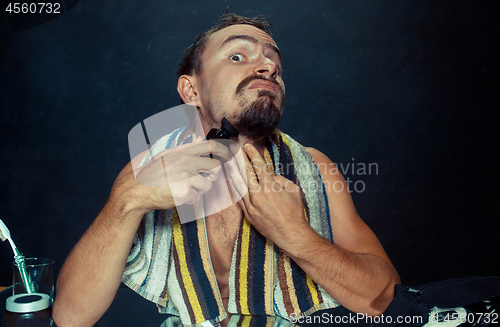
(170, 264)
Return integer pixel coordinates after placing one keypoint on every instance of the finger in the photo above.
(151, 174)
(241, 195)
(211, 175)
(236, 166)
(259, 165)
(251, 176)
(189, 190)
(208, 152)
(196, 165)
(237, 180)
(182, 162)
(286, 184)
(216, 148)
(200, 184)
(193, 197)
(189, 196)
(237, 175)
(198, 148)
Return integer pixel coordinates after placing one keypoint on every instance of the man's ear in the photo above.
(186, 86)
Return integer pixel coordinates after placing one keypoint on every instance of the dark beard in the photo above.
(260, 118)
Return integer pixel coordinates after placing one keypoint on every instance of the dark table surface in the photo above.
(130, 309)
(127, 309)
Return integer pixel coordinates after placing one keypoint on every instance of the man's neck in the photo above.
(259, 144)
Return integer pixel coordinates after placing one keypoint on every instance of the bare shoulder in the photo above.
(316, 154)
(326, 167)
(334, 184)
(349, 230)
(319, 157)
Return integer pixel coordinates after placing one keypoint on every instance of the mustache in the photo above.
(250, 78)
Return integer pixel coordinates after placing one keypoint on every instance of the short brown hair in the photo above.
(191, 62)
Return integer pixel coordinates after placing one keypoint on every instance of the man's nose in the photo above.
(266, 67)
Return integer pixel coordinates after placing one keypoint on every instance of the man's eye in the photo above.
(236, 57)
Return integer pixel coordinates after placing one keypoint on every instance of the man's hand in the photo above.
(273, 204)
(355, 270)
(173, 177)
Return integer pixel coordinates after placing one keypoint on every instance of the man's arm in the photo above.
(354, 270)
(92, 273)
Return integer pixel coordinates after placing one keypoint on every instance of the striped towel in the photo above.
(170, 264)
(238, 321)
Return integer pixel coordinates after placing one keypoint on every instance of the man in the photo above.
(233, 71)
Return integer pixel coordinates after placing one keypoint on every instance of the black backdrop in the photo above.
(411, 86)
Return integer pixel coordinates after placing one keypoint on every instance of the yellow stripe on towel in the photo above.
(245, 241)
(246, 321)
(269, 161)
(186, 276)
(312, 289)
(268, 278)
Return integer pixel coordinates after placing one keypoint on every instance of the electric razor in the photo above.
(224, 132)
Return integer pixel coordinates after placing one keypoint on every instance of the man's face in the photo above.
(241, 80)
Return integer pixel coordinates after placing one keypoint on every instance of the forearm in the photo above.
(362, 283)
(92, 273)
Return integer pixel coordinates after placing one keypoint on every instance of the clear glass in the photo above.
(41, 274)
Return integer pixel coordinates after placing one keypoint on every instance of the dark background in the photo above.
(412, 86)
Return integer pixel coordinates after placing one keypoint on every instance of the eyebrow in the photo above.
(252, 39)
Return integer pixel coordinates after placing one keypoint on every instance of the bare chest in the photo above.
(222, 231)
